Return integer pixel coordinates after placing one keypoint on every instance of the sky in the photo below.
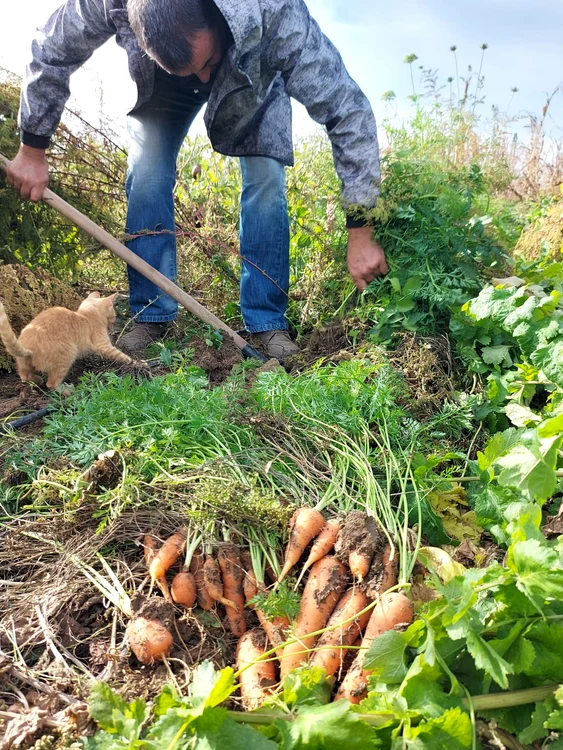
(523, 38)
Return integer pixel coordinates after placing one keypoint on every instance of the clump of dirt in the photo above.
(360, 533)
(426, 364)
(217, 363)
(546, 232)
(105, 473)
(330, 343)
(26, 293)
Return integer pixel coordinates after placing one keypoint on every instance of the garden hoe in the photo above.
(119, 249)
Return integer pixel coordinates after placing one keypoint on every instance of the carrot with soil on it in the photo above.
(322, 545)
(165, 558)
(323, 590)
(184, 589)
(249, 583)
(345, 625)
(257, 678)
(255, 560)
(359, 539)
(213, 581)
(150, 547)
(204, 598)
(304, 525)
(150, 631)
(391, 611)
(232, 574)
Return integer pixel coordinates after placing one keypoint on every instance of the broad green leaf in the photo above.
(451, 731)
(523, 522)
(306, 686)
(210, 686)
(546, 638)
(386, 656)
(497, 355)
(114, 715)
(536, 730)
(328, 727)
(427, 698)
(538, 570)
(497, 446)
(215, 730)
(520, 415)
(487, 659)
(530, 465)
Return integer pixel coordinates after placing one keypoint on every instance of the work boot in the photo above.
(141, 335)
(278, 344)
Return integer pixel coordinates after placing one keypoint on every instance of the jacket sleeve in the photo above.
(315, 75)
(62, 45)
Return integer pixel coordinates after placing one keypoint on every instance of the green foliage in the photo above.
(89, 170)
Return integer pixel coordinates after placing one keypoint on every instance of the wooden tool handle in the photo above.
(119, 249)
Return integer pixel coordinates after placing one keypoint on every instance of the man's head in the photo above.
(185, 37)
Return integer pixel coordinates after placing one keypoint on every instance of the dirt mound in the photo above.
(546, 232)
(25, 294)
(217, 363)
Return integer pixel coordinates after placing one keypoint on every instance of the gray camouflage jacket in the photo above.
(279, 52)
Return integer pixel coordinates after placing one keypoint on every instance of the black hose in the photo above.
(23, 421)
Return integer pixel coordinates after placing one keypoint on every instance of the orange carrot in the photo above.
(392, 610)
(331, 646)
(305, 524)
(183, 589)
(233, 574)
(390, 559)
(213, 582)
(359, 563)
(258, 677)
(249, 583)
(324, 587)
(167, 555)
(150, 639)
(204, 599)
(322, 545)
(150, 546)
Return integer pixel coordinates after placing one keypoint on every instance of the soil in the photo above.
(360, 533)
(217, 363)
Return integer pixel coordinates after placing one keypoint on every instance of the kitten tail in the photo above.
(9, 338)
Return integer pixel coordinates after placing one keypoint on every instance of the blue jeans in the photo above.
(156, 133)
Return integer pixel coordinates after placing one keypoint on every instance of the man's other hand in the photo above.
(366, 259)
(29, 172)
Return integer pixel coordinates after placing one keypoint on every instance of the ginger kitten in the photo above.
(57, 337)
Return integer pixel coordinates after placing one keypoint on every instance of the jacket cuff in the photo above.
(35, 141)
(353, 222)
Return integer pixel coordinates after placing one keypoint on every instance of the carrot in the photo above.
(331, 646)
(324, 587)
(275, 629)
(204, 598)
(150, 546)
(322, 545)
(233, 574)
(168, 554)
(392, 610)
(150, 639)
(390, 559)
(249, 583)
(305, 524)
(359, 563)
(213, 582)
(183, 588)
(258, 677)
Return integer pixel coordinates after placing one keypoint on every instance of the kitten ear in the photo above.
(95, 295)
(113, 298)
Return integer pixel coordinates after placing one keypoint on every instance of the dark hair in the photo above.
(164, 27)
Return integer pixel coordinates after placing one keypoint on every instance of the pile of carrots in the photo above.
(338, 609)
